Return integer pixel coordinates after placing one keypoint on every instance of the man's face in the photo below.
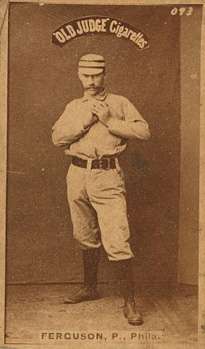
(92, 84)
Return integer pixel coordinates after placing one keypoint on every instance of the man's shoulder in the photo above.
(117, 97)
(74, 102)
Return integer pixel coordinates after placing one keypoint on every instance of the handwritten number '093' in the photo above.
(182, 11)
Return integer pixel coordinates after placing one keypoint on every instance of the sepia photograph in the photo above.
(102, 174)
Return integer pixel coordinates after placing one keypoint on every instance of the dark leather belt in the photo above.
(103, 163)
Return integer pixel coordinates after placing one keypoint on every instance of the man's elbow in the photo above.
(147, 134)
(143, 132)
(57, 141)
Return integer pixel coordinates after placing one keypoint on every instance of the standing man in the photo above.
(95, 129)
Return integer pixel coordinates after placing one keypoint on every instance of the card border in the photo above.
(3, 158)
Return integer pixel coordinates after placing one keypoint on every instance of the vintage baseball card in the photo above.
(102, 157)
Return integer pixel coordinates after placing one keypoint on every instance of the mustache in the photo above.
(90, 86)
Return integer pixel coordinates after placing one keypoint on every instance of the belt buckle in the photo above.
(108, 163)
(101, 163)
(105, 164)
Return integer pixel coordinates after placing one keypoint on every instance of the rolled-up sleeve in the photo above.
(68, 128)
(132, 126)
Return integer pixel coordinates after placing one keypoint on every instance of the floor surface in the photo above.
(35, 314)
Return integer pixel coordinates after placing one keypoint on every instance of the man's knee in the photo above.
(118, 252)
(85, 241)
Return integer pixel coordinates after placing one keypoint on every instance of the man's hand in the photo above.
(101, 109)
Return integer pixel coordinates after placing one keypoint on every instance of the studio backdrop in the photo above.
(42, 80)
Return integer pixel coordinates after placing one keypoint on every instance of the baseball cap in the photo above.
(91, 64)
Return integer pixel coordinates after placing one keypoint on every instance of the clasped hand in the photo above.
(101, 110)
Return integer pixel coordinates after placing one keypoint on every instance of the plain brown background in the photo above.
(42, 79)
